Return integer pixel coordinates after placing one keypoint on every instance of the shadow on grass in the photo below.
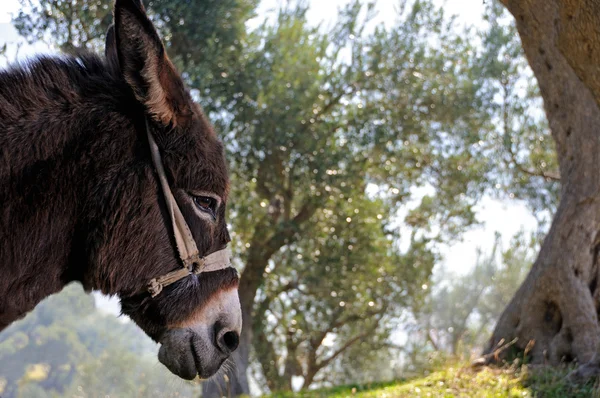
(551, 382)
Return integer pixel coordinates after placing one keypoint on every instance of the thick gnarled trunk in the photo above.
(555, 309)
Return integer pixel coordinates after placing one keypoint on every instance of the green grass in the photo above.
(457, 381)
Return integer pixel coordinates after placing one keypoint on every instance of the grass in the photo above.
(457, 381)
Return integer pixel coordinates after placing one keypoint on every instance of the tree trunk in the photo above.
(556, 307)
(266, 241)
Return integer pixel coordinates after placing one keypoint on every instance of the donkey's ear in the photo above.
(110, 49)
(145, 65)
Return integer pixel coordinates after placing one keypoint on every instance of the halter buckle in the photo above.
(195, 264)
(154, 287)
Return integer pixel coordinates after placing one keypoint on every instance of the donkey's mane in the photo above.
(47, 79)
(56, 115)
(56, 98)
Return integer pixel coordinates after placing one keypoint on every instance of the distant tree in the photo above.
(121, 373)
(67, 347)
(513, 267)
(39, 339)
(454, 302)
(461, 310)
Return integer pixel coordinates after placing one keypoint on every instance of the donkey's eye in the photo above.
(207, 204)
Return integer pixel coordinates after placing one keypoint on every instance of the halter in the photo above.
(192, 263)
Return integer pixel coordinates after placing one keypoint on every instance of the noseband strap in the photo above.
(191, 261)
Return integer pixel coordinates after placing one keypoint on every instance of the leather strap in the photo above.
(213, 262)
(184, 241)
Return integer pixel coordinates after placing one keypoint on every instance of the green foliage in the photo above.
(330, 300)
(212, 27)
(459, 313)
(316, 118)
(521, 146)
(515, 263)
(62, 22)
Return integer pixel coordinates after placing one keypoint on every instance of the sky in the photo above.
(505, 217)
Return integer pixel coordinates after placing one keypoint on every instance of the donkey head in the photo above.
(197, 319)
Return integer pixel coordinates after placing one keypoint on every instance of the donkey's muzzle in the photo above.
(200, 345)
(188, 354)
(177, 354)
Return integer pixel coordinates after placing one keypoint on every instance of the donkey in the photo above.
(110, 175)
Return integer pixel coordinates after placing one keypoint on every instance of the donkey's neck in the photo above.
(58, 125)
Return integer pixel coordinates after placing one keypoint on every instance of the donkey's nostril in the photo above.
(228, 341)
(231, 340)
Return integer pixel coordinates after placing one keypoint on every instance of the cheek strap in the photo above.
(192, 263)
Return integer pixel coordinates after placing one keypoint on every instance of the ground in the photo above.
(462, 381)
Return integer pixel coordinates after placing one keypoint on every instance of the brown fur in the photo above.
(79, 198)
(198, 316)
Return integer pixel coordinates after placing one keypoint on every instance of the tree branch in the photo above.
(513, 157)
(320, 365)
(432, 341)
